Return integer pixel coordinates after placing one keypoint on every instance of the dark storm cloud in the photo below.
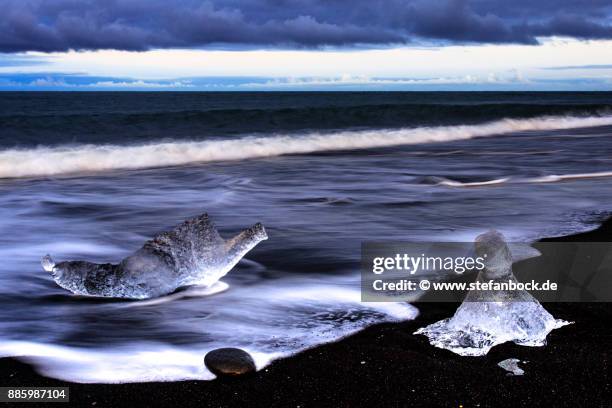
(60, 25)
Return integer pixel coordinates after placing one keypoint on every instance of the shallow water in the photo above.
(301, 287)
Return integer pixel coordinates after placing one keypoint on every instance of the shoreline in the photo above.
(387, 364)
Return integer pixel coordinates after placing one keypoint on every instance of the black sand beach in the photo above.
(387, 365)
(192, 189)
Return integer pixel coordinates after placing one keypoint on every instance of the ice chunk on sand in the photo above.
(487, 318)
(511, 365)
(193, 253)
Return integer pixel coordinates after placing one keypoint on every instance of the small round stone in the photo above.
(229, 362)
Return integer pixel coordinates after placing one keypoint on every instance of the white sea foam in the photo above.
(297, 314)
(551, 178)
(565, 177)
(47, 161)
(454, 183)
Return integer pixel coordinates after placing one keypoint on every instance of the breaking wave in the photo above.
(48, 161)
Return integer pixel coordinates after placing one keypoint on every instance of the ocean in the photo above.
(93, 175)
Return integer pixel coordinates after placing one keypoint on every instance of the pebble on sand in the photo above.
(229, 362)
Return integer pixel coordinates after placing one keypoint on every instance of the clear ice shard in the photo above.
(511, 366)
(486, 318)
(193, 253)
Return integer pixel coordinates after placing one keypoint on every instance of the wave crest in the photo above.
(49, 161)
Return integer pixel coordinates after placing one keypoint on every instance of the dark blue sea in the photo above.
(93, 175)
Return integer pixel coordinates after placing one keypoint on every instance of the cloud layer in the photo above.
(510, 80)
(138, 25)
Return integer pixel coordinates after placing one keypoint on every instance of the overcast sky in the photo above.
(306, 45)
